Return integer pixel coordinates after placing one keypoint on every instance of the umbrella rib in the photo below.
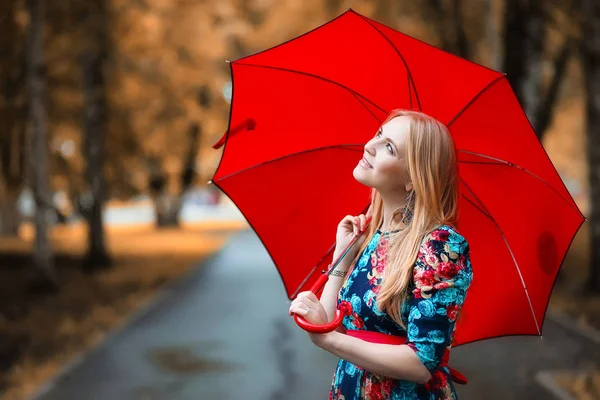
(477, 207)
(350, 147)
(410, 78)
(368, 109)
(511, 164)
(511, 254)
(293, 71)
(481, 92)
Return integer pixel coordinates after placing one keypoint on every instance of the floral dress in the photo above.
(442, 275)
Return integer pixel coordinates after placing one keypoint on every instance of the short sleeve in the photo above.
(442, 276)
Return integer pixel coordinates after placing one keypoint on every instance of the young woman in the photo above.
(407, 279)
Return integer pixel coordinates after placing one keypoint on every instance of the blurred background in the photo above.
(109, 109)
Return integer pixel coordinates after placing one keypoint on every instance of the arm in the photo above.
(442, 276)
(331, 290)
(394, 361)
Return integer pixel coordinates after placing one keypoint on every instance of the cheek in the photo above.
(389, 167)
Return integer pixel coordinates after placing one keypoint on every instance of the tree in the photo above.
(95, 124)
(167, 204)
(38, 136)
(525, 45)
(591, 70)
(13, 114)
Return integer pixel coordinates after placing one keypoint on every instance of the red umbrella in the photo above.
(301, 113)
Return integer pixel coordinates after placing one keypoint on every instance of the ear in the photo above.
(409, 186)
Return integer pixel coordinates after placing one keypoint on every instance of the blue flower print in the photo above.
(426, 353)
(350, 369)
(415, 313)
(413, 330)
(446, 297)
(436, 336)
(426, 307)
(356, 303)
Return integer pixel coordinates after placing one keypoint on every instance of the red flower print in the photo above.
(425, 278)
(357, 322)
(442, 285)
(345, 307)
(447, 270)
(432, 260)
(452, 312)
(461, 262)
(428, 249)
(386, 387)
(440, 234)
(373, 391)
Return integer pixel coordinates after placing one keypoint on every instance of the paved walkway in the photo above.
(224, 333)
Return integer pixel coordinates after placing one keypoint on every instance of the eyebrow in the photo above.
(387, 138)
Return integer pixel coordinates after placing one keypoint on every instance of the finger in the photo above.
(300, 309)
(307, 300)
(309, 295)
(363, 222)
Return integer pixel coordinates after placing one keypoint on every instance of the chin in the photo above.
(358, 174)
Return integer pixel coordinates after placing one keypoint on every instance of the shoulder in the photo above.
(443, 258)
(445, 239)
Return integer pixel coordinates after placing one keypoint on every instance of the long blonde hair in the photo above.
(431, 165)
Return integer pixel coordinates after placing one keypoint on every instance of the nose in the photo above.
(370, 147)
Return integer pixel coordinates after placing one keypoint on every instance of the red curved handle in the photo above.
(325, 328)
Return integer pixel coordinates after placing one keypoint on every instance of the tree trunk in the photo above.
(591, 70)
(168, 207)
(460, 36)
(492, 34)
(546, 106)
(515, 57)
(95, 130)
(10, 216)
(534, 52)
(42, 255)
(13, 114)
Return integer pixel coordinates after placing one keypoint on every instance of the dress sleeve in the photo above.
(442, 275)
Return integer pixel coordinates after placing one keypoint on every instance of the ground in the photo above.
(41, 331)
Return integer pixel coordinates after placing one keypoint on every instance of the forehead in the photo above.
(397, 129)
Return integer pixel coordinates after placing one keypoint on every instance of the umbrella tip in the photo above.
(228, 61)
(209, 182)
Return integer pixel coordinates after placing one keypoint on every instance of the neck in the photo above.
(392, 203)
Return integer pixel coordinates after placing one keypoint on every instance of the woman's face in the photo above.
(383, 166)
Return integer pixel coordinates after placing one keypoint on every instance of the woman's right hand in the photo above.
(348, 227)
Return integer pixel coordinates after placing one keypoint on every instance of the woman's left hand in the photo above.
(308, 306)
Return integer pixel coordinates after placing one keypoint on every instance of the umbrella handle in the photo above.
(325, 328)
(318, 286)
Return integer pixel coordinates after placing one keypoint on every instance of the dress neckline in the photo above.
(389, 232)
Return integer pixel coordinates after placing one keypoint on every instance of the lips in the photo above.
(365, 163)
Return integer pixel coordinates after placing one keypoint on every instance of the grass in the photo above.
(584, 385)
(41, 331)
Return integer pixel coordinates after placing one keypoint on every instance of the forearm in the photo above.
(331, 290)
(394, 361)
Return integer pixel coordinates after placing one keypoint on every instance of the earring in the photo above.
(407, 210)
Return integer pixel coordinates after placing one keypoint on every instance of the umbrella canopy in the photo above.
(301, 114)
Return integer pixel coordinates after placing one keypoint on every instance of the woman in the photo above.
(405, 281)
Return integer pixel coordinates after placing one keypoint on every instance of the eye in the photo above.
(390, 148)
(378, 134)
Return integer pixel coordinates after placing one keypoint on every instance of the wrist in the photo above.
(345, 263)
(326, 341)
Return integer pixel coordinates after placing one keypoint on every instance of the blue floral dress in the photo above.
(442, 275)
